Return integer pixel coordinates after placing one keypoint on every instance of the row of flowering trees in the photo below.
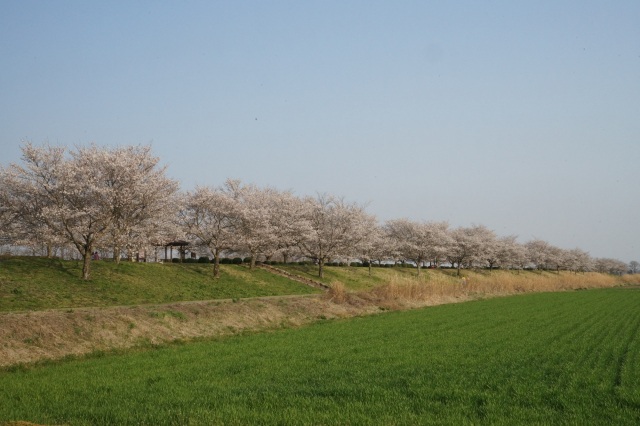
(121, 201)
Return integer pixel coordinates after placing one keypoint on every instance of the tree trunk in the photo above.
(86, 263)
(116, 255)
(216, 265)
(321, 268)
(458, 274)
(370, 261)
(252, 264)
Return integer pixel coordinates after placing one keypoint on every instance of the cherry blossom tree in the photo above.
(489, 247)
(8, 218)
(140, 196)
(120, 199)
(376, 246)
(419, 242)
(578, 260)
(610, 266)
(634, 266)
(256, 210)
(287, 224)
(70, 196)
(470, 245)
(63, 196)
(510, 254)
(332, 228)
(557, 258)
(209, 215)
(24, 202)
(539, 253)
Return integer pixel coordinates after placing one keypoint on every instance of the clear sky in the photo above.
(521, 116)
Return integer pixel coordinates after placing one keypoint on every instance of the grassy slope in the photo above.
(478, 281)
(354, 278)
(551, 358)
(30, 283)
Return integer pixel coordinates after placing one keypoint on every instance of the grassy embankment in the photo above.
(550, 358)
(436, 286)
(182, 302)
(32, 283)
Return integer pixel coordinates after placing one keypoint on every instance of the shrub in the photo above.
(246, 260)
(237, 260)
(204, 259)
(225, 261)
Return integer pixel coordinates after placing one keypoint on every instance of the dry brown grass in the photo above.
(337, 292)
(440, 288)
(633, 279)
(35, 336)
(20, 423)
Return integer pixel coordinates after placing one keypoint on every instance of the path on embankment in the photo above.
(294, 277)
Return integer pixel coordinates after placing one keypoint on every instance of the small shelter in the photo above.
(182, 248)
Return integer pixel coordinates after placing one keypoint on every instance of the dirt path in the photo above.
(294, 277)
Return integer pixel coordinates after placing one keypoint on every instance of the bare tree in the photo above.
(634, 266)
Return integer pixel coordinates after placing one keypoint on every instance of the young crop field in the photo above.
(543, 358)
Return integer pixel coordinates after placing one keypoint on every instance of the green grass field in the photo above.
(545, 358)
(32, 283)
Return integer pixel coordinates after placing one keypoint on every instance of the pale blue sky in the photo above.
(521, 116)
